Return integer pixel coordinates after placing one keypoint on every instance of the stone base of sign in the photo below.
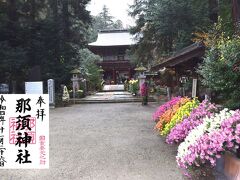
(51, 106)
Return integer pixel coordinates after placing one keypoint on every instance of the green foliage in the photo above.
(225, 12)
(164, 26)
(134, 86)
(46, 33)
(88, 66)
(220, 69)
(104, 21)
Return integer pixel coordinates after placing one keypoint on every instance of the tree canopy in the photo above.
(104, 21)
(220, 69)
(164, 26)
(45, 33)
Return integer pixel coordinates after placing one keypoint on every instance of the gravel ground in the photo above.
(104, 142)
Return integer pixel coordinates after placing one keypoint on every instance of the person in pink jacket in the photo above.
(144, 93)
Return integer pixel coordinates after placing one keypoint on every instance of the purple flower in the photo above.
(181, 130)
(212, 145)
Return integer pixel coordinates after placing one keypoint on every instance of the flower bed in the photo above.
(164, 108)
(168, 114)
(187, 156)
(204, 132)
(180, 131)
(182, 112)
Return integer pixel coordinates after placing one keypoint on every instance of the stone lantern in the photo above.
(141, 74)
(75, 80)
(101, 71)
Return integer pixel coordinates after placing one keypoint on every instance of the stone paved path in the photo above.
(104, 142)
(111, 97)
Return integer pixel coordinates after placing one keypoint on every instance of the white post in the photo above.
(194, 88)
(169, 93)
(51, 92)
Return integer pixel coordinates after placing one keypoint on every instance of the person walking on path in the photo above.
(144, 93)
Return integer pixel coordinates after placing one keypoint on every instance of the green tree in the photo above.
(220, 69)
(18, 38)
(104, 21)
(45, 33)
(106, 18)
(225, 13)
(88, 65)
(164, 26)
(62, 33)
(118, 24)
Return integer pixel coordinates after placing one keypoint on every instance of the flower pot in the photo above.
(231, 167)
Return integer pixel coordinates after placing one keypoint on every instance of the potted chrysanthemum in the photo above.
(218, 136)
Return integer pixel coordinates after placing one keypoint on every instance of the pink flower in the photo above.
(181, 130)
(211, 145)
(165, 107)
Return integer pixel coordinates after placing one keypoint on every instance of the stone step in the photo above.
(119, 87)
(94, 101)
(110, 97)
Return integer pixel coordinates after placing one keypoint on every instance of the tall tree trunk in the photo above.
(32, 55)
(55, 16)
(65, 12)
(213, 10)
(54, 9)
(235, 15)
(13, 18)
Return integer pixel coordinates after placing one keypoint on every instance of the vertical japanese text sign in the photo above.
(24, 131)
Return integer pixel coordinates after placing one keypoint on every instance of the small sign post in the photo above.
(169, 93)
(51, 92)
(194, 88)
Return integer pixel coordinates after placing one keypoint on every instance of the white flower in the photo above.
(209, 125)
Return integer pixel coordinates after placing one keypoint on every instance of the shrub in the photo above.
(220, 69)
(133, 86)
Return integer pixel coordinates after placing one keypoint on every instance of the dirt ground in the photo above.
(104, 142)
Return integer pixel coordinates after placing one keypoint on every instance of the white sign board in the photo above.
(24, 136)
(34, 87)
(194, 88)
